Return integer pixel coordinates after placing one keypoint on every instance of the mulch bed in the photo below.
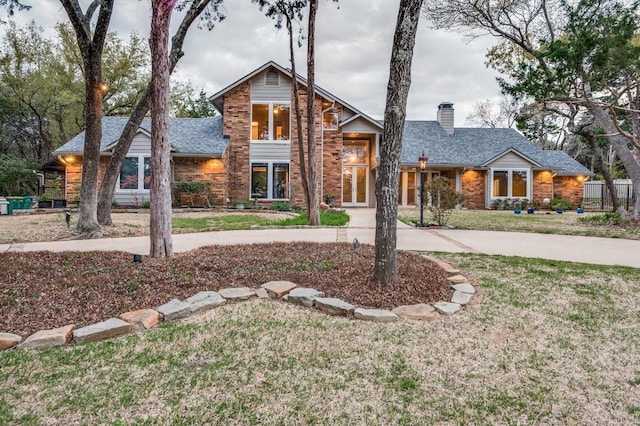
(44, 290)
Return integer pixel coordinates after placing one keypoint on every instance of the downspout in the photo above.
(333, 104)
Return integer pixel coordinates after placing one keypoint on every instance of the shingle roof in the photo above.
(473, 147)
(189, 136)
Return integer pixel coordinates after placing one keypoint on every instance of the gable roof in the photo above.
(216, 98)
(187, 136)
(477, 147)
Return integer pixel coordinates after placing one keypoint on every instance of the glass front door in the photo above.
(354, 185)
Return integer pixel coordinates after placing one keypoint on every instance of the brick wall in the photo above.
(202, 169)
(542, 186)
(473, 189)
(569, 188)
(332, 155)
(237, 125)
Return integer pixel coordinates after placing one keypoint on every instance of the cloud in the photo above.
(353, 48)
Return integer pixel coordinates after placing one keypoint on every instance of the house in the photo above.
(250, 152)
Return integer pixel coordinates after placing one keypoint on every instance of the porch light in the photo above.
(422, 160)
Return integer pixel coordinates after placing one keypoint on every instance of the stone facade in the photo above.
(542, 186)
(202, 169)
(237, 125)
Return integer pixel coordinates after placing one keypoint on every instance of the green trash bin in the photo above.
(13, 204)
(19, 203)
(27, 201)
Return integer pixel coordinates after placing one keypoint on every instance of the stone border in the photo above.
(145, 319)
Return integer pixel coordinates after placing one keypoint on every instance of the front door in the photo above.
(354, 186)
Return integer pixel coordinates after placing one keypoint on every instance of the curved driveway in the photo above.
(603, 251)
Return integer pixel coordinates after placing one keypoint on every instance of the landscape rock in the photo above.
(447, 308)
(375, 315)
(304, 296)
(444, 266)
(205, 300)
(458, 279)
(9, 340)
(451, 272)
(421, 312)
(465, 288)
(262, 294)
(277, 289)
(334, 306)
(103, 330)
(461, 298)
(142, 319)
(174, 309)
(234, 293)
(45, 339)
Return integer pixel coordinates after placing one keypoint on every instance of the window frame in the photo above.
(141, 175)
(270, 164)
(270, 123)
(510, 172)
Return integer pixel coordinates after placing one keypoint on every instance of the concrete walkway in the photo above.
(602, 251)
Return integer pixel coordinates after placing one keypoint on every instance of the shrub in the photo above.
(602, 219)
(281, 206)
(559, 203)
(195, 187)
(443, 199)
(17, 176)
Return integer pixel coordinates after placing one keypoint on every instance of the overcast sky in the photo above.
(353, 48)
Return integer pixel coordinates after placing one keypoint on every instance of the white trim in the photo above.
(269, 164)
(140, 189)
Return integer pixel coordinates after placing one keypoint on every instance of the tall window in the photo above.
(270, 122)
(270, 180)
(510, 183)
(135, 173)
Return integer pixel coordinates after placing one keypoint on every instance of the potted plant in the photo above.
(532, 206)
(45, 202)
(330, 199)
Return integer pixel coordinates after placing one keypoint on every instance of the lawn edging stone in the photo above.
(145, 319)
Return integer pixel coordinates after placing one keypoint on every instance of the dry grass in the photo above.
(549, 343)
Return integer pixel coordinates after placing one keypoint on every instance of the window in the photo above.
(510, 183)
(270, 122)
(354, 153)
(270, 178)
(135, 173)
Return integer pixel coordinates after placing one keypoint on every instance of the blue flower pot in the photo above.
(517, 211)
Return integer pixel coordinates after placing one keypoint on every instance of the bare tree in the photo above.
(209, 12)
(493, 115)
(160, 194)
(386, 261)
(91, 44)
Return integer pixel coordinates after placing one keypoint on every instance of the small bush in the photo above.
(559, 203)
(443, 199)
(603, 219)
(281, 206)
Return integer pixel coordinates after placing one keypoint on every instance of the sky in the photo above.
(353, 49)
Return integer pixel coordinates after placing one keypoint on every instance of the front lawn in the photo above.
(543, 222)
(545, 342)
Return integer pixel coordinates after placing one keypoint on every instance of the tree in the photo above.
(313, 209)
(489, 114)
(196, 108)
(12, 6)
(444, 199)
(160, 194)
(386, 261)
(91, 43)
(209, 13)
(583, 53)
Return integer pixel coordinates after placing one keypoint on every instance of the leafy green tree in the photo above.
(196, 108)
(18, 176)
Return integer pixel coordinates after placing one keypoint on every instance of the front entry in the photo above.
(354, 186)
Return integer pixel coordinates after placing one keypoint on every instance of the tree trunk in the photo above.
(298, 114)
(621, 145)
(108, 186)
(90, 43)
(386, 262)
(606, 174)
(121, 149)
(160, 194)
(87, 220)
(313, 209)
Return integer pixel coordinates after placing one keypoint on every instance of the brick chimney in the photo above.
(445, 116)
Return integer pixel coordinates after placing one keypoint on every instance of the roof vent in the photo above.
(273, 78)
(445, 116)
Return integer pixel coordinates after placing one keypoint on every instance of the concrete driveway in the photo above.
(601, 251)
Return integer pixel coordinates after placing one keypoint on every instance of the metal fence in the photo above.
(598, 197)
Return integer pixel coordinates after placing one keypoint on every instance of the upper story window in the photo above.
(270, 121)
